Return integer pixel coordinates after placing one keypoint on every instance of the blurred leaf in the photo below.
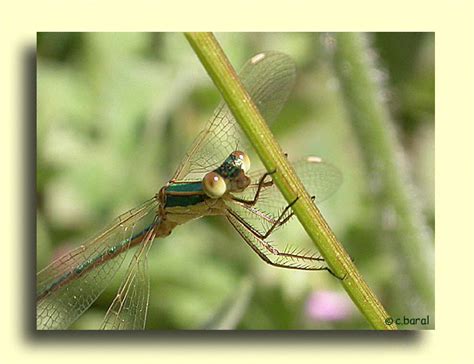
(231, 312)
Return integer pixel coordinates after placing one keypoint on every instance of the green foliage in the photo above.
(117, 112)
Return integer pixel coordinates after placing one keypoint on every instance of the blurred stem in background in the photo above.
(402, 226)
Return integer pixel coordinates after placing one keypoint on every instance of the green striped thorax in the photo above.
(230, 176)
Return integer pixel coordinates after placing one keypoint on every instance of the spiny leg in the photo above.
(280, 259)
(272, 256)
(271, 249)
(261, 183)
(280, 221)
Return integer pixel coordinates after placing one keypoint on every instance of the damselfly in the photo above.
(213, 179)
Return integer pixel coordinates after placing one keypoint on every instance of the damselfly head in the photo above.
(238, 183)
(242, 160)
(214, 185)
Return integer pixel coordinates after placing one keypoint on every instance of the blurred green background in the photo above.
(117, 111)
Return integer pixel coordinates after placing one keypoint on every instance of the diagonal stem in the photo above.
(254, 126)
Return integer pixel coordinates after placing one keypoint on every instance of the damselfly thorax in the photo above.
(206, 197)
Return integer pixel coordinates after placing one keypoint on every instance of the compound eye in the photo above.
(214, 185)
(244, 158)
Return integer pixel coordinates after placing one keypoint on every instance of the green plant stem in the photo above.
(225, 78)
(400, 215)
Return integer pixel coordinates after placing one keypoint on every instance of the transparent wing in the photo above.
(321, 180)
(69, 285)
(268, 78)
(129, 308)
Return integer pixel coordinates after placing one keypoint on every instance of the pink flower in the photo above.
(328, 306)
